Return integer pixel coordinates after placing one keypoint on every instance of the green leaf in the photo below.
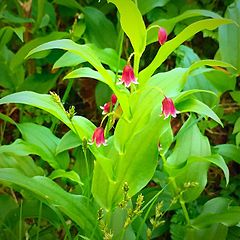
(99, 29)
(71, 175)
(200, 77)
(110, 57)
(235, 95)
(195, 171)
(238, 139)
(217, 210)
(43, 101)
(22, 53)
(230, 36)
(189, 142)
(187, 94)
(210, 62)
(171, 82)
(169, 24)
(68, 59)
(69, 3)
(220, 80)
(74, 206)
(133, 160)
(44, 144)
(121, 92)
(236, 128)
(25, 164)
(88, 54)
(146, 6)
(68, 141)
(194, 105)
(171, 45)
(30, 209)
(7, 204)
(7, 119)
(107, 56)
(10, 18)
(219, 161)
(132, 24)
(228, 151)
(85, 72)
(19, 148)
(214, 231)
(83, 51)
(19, 32)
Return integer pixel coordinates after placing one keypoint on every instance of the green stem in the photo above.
(88, 172)
(39, 220)
(20, 221)
(182, 202)
(185, 212)
(151, 203)
(119, 49)
(164, 159)
(40, 13)
(67, 91)
(136, 64)
(65, 97)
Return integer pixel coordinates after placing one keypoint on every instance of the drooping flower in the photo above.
(162, 35)
(128, 76)
(168, 108)
(114, 99)
(106, 108)
(98, 137)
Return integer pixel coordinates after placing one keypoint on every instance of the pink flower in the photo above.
(98, 137)
(128, 76)
(114, 99)
(168, 108)
(106, 108)
(162, 35)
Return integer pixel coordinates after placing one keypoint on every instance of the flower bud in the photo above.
(114, 99)
(162, 35)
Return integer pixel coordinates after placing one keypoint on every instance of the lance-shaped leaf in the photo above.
(132, 24)
(74, 206)
(85, 52)
(171, 45)
(43, 101)
(169, 24)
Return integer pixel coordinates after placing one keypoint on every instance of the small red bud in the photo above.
(162, 35)
(113, 99)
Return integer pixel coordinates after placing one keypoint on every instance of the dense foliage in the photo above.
(120, 119)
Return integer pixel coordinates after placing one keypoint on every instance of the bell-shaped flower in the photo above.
(98, 137)
(168, 108)
(128, 76)
(106, 108)
(162, 35)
